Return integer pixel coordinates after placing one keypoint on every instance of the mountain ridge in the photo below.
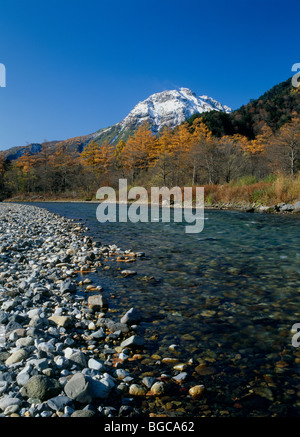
(167, 108)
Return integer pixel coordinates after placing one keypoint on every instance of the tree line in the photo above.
(188, 155)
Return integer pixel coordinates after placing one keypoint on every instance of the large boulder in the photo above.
(42, 387)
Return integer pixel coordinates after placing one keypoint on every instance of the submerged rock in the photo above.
(97, 302)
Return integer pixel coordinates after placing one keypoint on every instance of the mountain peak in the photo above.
(169, 108)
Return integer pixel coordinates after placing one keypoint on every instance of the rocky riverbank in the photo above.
(61, 352)
(279, 208)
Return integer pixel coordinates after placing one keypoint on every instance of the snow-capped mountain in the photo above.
(168, 108)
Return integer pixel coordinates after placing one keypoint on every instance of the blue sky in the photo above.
(75, 66)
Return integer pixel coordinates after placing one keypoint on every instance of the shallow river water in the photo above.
(227, 297)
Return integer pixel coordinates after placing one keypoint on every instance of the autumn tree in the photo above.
(181, 142)
(90, 155)
(164, 154)
(286, 147)
(26, 164)
(66, 165)
(44, 170)
(201, 147)
(232, 156)
(139, 152)
(118, 155)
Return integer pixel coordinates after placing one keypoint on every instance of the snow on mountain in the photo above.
(170, 108)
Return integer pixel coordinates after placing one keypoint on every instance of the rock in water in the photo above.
(137, 390)
(131, 317)
(97, 302)
(133, 341)
(197, 391)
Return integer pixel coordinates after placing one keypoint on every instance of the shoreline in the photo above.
(279, 208)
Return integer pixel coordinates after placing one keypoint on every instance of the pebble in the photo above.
(137, 390)
(158, 388)
(197, 391)
(16, 356)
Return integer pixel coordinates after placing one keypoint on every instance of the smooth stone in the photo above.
(58, 403)
(78, 358)
(197, 391)
(8, 402)
(12, 409)
(100, 389)
(97, 302)
(204, 370)
(3, 386)
(83, 413)
(131, 317)
(16, 357)
(158, 388)
(25, 341)
(133, 341)
(169, 360)
(98, 334)
(42, 387)
(3, 317)
(62, 321)
(33, 313)
(96, 365)
(181, 377)
(180, 367)
(128, 272)
(137, 390)
(121, 374)
(148, 381)
(22, 378)
(78, 388)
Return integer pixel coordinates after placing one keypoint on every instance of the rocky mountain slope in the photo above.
(168, 108)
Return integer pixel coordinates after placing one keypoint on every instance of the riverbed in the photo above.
(226, 297)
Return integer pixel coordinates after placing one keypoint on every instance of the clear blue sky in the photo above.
(75, 66)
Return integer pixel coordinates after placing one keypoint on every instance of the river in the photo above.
(227, 297)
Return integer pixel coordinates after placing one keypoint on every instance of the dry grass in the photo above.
(243, 192)
(282, 189)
